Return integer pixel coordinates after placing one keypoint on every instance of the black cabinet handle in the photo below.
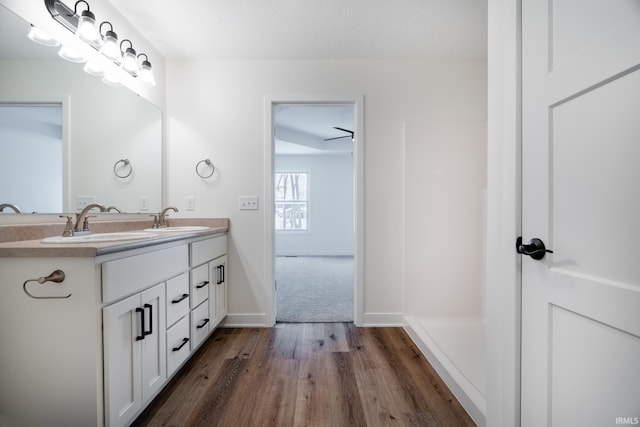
(184, 341)
(222, 269)
(220, 274)
(141, 311)
(150, 331)
(182, 298)
(203, 324)
(203, 284)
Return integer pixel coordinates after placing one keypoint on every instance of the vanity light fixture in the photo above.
(39, 36)
(84, 26)
(87, 29)
(146, 72)
(110, 47)
(129, 59)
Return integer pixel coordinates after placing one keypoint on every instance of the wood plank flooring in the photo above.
(307, 374)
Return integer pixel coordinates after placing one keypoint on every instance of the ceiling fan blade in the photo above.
(344, 130)
(338, 137)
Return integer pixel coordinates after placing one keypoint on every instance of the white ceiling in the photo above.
(311, 29)
(304, 128)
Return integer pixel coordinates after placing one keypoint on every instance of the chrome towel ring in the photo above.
(209, 164)
(124, 164)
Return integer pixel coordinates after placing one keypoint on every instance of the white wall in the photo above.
(446, 174)
(331, 206)
(215, 109)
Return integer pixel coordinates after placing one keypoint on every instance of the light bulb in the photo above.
(87, 30)
(90, 67)
(112, 79)
(39, 36)
(146, 72)
(129, 61)
(71, 55)
(110, 47)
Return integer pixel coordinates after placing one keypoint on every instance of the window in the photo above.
(292, 201)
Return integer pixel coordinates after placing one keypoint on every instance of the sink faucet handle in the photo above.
(85, 222)
(68, 228)
(155, 221)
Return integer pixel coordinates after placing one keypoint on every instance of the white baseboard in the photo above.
(467, 394)
(245, 320)
(373, 320)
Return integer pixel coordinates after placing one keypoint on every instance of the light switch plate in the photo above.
(248, 203)
(190, 203)
(144, 204)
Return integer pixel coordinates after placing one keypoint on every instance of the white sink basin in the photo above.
(178, 229)
(99, 237)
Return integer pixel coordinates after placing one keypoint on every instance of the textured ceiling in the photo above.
(311, 29)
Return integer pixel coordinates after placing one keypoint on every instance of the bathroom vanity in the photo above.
(96, 347)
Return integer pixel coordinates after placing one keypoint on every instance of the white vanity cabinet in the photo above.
(101, 355)
(134, 329)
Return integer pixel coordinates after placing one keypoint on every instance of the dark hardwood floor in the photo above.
(307, 374)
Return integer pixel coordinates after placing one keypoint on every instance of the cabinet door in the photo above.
(154, 356)
(221, 287)
(122, 360)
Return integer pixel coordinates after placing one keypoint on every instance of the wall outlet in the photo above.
(84, 201)
(190, 203)
(144, 204)
(248, 203)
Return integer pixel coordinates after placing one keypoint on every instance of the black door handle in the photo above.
(535, 248)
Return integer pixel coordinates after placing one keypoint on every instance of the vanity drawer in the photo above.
(129, 275)
(199, 285)
(205, 250)
(200, 322)
(178, 347)
(177, 298)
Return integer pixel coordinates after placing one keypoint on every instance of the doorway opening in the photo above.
(314, 218)
(38, 181)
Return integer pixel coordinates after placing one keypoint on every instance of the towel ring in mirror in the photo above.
(209, 164)
(122, 164)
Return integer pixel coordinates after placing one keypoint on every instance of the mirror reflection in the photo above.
(66, 138)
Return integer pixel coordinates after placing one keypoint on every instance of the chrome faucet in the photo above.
(9, 205)
(82, 221)
(162, 216)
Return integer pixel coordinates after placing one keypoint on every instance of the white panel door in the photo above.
(581, 197)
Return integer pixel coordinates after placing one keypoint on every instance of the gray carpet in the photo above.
(314, 289)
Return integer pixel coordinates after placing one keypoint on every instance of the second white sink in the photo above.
(99, 237)
(183, 228)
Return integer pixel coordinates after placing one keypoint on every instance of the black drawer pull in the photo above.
(184, 341)
(182, 298)
(203, 284)
(141, 311)
(203, 324)
(150, 331)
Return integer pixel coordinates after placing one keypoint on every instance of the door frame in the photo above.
(504, 195)
(358, 152)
